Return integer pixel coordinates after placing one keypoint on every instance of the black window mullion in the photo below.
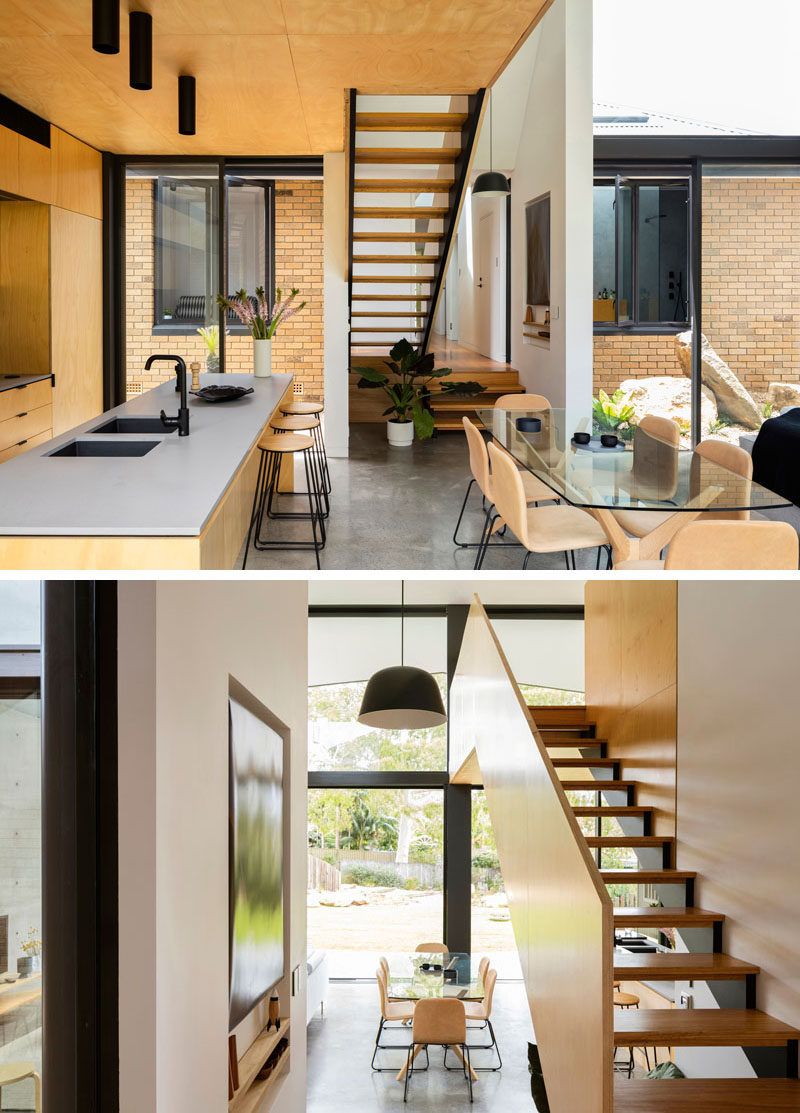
(222, 255)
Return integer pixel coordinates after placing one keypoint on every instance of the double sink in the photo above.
(138, 427)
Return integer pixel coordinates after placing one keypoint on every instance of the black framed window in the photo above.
(642, 253)
(184, 252)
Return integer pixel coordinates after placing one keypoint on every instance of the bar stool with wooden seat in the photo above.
(274, 448)
(10, 1073)
(312, 409)
(298, 423)
(629, 1001)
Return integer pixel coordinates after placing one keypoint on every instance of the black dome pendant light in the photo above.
(491, 183)
(402, 697)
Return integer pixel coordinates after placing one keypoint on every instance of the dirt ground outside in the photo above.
(397, 920)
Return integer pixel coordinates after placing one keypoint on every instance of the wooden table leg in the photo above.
(649, 547)
(404, 1067)
(455, 1048)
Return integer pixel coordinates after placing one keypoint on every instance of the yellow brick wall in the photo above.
(751, 290)
(298, 345)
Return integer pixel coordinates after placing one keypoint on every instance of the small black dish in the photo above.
(609, 440)
(581, 438)
(431, 967)
(529, 424)
(221, 393)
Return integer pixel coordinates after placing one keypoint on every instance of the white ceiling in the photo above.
(454, 589)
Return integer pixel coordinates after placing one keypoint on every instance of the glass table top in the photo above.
(450, 975)
(645, 473)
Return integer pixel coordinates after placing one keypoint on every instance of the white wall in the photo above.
(335, 314)
(556, 156)
(738, 822)
(179, 641)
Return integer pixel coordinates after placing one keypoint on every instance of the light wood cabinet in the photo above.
(26, 417)
(68, 173)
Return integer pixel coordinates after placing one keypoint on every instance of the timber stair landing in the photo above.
(745, 1027)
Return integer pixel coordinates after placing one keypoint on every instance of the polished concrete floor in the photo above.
(340, 1047)
(397, 508)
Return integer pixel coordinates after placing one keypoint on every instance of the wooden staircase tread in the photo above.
(570, 743)
(672, 965)
(700, 1028)
(665, 917)
(583, 762)
(399, 313)
(707, 1095)
(403, 185)
(628, 840)
(406, 260)
(409, 279)
(610, 810)
(415, 212)
(646, 877)
(556, 714)
(406, 156)
(597, 786)
(391, 297)
(397, 237)
(410, 121)
(392, 331)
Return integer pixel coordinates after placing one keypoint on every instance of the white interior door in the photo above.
(485, 279)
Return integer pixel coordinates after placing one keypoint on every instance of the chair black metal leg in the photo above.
(461, 544)
(489, 527)
(409, 1069)
(377, 1045)
(599, 551)
(479, 553)
(525, 561)
(311, 505)
(610, 551)
(566, 558)
(465, 1053)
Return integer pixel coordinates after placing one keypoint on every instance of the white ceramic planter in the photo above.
(262, 358)
(400, 433)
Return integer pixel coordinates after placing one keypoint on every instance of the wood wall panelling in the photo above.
(35, 171)
(76, 277)
(77, 172)
(631, 685)
(9, 160)
(560, 909)
(24, 290)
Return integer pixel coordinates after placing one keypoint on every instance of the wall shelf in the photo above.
(251, 1092)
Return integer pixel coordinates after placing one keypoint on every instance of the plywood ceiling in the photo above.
(271, 74)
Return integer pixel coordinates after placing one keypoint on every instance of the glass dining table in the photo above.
(426, 974)
(646, 474)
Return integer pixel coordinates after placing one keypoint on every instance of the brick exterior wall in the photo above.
(751, 290)
(298, 345)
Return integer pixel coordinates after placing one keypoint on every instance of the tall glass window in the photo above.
(21, 943)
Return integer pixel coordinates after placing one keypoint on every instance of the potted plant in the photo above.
(407, 386)
(261, 321)
(210, 336)
(30, 961)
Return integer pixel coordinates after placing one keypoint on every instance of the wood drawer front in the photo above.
(19, 399)
(31, 442)
(27, 425)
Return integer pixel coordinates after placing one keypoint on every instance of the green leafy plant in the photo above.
(368, 874)
(257, 315)
(486, 859)
(614, 413)
(721, 422)
(407, 385)
(767, 410)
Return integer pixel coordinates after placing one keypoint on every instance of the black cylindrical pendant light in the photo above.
(105, 26)
(141, 50)
(491, 183)
(402, 697)
(187, 98)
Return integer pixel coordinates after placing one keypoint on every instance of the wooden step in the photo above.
(559, 716)
(404, 259)
(584, 763)
(633, 841)
(700, 1028)
(411, 313)
(651, 918)
(609, 810)
(706, 1095)
(647, 877)
(409, 279)
(671, 966)
(597, 786)
(421, 212)
(398, 237)
(568, 742)
(403, 185)
(406, 156)
(410, 121)
(391, 331)
(391, 297)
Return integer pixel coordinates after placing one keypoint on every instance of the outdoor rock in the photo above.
(669, 396)
(783, 394)
(732, 398)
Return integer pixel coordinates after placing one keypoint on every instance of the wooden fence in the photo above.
(322, 875)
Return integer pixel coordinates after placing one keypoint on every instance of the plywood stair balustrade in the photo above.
(408, 175)
(568, 731)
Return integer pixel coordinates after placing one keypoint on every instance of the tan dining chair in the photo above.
(432, 948)
(726, 546)
(733, 459)
(654, 474)
(535, 490)
(481, 1011)
(384, 965)
(391, 1013)
(441, 1022)
(10, 1073)
(539, 529)
(483, 966)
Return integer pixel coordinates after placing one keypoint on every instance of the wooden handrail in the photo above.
(560, 909)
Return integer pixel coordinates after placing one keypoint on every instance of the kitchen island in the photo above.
(145, 498)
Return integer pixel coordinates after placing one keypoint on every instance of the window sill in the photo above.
(640, 330)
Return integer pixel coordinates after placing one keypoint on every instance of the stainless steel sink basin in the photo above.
(132, 425)
(105, 448)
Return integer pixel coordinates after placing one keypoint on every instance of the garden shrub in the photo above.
(369, 873)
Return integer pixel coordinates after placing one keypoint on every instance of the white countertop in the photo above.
(171, 491)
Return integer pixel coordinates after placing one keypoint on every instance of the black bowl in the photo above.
(609, 440)
(581, 438)
(529, 424)
(221, 393)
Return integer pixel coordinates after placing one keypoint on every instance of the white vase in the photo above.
(262, 358)
(400, 433)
